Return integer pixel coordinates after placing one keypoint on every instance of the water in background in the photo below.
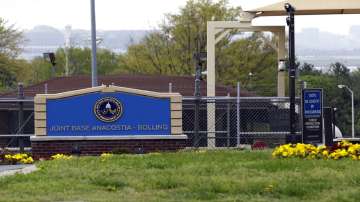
(323, 62)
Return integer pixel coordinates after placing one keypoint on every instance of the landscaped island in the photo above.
(186, 176)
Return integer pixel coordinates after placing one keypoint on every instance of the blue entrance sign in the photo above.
(108, 114)
(312, 104)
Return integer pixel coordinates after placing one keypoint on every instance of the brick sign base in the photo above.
(45, 147)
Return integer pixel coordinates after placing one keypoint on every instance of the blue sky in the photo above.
(139, 14)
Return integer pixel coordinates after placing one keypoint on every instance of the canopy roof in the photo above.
(310, 7)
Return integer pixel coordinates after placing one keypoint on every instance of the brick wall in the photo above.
(45, 149)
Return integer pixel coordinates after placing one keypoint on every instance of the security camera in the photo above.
(289, 8)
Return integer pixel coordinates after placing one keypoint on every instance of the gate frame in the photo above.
(216, 30)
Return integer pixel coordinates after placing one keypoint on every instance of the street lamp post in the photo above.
(352, 109)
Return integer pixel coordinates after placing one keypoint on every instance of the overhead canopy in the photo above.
(310, 7)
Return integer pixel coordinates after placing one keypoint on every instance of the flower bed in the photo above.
(19, 158)
(340, 150)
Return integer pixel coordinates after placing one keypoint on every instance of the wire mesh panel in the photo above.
(15, 127)
(233, 122)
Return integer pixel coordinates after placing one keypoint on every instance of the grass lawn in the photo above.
(187, 176)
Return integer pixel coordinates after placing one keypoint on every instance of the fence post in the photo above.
(197, 95)
(238, 114)
(228, 120)
(302, 87)
(45, 88)
(196, 122)
(170, 87)
(21, 116)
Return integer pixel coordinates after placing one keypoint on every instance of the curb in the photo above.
(25, 170)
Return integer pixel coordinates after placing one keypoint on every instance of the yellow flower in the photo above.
(61, 156)
(106, 155)
(27, 160)
(285, 154)
(354, 149)
(343, 153)
(308, 151)
(19, 158)
(344, 143)
(322, 147)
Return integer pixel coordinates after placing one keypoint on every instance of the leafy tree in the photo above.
(341, 72)
(255, 67)
(308, 69)
(80, 62)
(7, 77)
(333, 96)
(41, 70)
(10, 68)
(170, 50)
(10, 40)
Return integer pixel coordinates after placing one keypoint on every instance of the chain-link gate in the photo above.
(237, 121)
(16, 122)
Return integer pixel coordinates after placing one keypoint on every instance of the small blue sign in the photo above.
(312, 103)
(312, 126)
(108, 114)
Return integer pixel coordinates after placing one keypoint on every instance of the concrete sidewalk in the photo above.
(6, 170)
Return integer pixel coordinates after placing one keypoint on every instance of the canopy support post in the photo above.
(216, 27)
(290, 20)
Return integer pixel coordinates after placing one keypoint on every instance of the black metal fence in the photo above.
(16, 122)
(234, 121)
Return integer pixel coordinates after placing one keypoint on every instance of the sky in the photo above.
(140, 14)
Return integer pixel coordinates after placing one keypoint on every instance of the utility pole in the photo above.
(94, 80)
(290, 21)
